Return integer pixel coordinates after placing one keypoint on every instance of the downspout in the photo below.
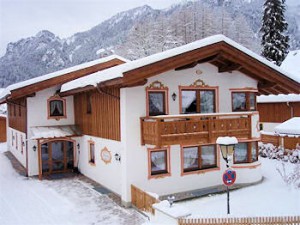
(291, 109)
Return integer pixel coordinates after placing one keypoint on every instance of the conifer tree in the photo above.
(274, 26)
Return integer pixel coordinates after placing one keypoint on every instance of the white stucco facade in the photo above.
(133, 168)
(133, 106)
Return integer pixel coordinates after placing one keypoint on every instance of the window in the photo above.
(198, 100)
(156, 99)
(158, 162)
(156, 103)
(56, 108)
(243, 101)
(92, 152)
(246, 152)
(199, 157)
(241, 153)
(17, 144)
(22, 144)
(88, 103)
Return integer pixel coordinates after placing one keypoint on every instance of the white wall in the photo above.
(37, 115)
(37, 110)
(14, 136)
(269, 127)
(133, 106)
(107, 174)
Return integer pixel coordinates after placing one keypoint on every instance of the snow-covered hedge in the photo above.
(272, 152)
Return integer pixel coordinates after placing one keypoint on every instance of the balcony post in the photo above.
(250, 126)
(210, 129)
(158, 132)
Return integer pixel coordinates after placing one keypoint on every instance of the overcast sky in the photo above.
(24, 18)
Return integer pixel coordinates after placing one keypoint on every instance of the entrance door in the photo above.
(57, 156)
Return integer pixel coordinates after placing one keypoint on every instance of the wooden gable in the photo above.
(224, 56)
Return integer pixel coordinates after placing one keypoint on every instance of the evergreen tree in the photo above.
(274, 39)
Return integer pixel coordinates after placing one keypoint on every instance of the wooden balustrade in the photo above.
(194, 129)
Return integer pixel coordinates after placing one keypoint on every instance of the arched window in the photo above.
(56, 108)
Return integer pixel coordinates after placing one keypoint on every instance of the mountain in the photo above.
(140, 32)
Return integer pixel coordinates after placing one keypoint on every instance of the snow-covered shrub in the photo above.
(272, 152)
(290, 177)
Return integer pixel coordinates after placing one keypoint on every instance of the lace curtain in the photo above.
(158, 161)
(190, 157)
(56, 108)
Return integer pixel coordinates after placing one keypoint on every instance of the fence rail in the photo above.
(287, 220)
(142, 200)
(286, 142)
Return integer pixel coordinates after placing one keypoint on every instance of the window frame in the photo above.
(198, 96)
(249, 158)
(56, 98)
(167, 161)
(165, 92)
(199, 169)
(92, 155)
(248, 93)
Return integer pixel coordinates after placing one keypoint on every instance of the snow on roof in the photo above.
(291, 63)
(54, 131)
(226, 140)
(289, 127)
(8, 89)
(278, 98)
(118, 71)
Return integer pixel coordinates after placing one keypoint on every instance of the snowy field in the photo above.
(28, 201)
(270, 198)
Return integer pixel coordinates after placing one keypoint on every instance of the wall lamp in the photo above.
(78, 146)
(118, 157)
(34, 148)
(174, 96)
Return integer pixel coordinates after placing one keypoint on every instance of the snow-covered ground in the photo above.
(272, 197)
(28, 201)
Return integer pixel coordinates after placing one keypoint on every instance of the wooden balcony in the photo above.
(194, 128)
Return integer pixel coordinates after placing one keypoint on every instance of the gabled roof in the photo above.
(33, 85)
(218, 50)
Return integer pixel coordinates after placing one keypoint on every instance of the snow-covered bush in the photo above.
(292, 176)
(272, 152)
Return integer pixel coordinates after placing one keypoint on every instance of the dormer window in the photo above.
(56, 108)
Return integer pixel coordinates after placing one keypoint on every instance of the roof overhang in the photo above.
(222, 52)
(30, 88)
(50, 132)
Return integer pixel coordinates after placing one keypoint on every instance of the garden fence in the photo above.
(287, 220)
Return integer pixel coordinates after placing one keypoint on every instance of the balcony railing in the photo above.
(194, 128)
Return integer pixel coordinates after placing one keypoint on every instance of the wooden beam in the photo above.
(170, 63)
(38, 86)
(257, 67)
(77, 90)
(265, 84)
(229, 67)
(188, 66)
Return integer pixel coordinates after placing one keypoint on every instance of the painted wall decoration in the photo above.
(105, 155)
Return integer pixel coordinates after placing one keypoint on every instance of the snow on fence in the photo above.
(287, 220)
(286, 141)
(143, 200)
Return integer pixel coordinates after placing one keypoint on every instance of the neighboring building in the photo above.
(287, 104)
(3, 131)
(152, 122)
